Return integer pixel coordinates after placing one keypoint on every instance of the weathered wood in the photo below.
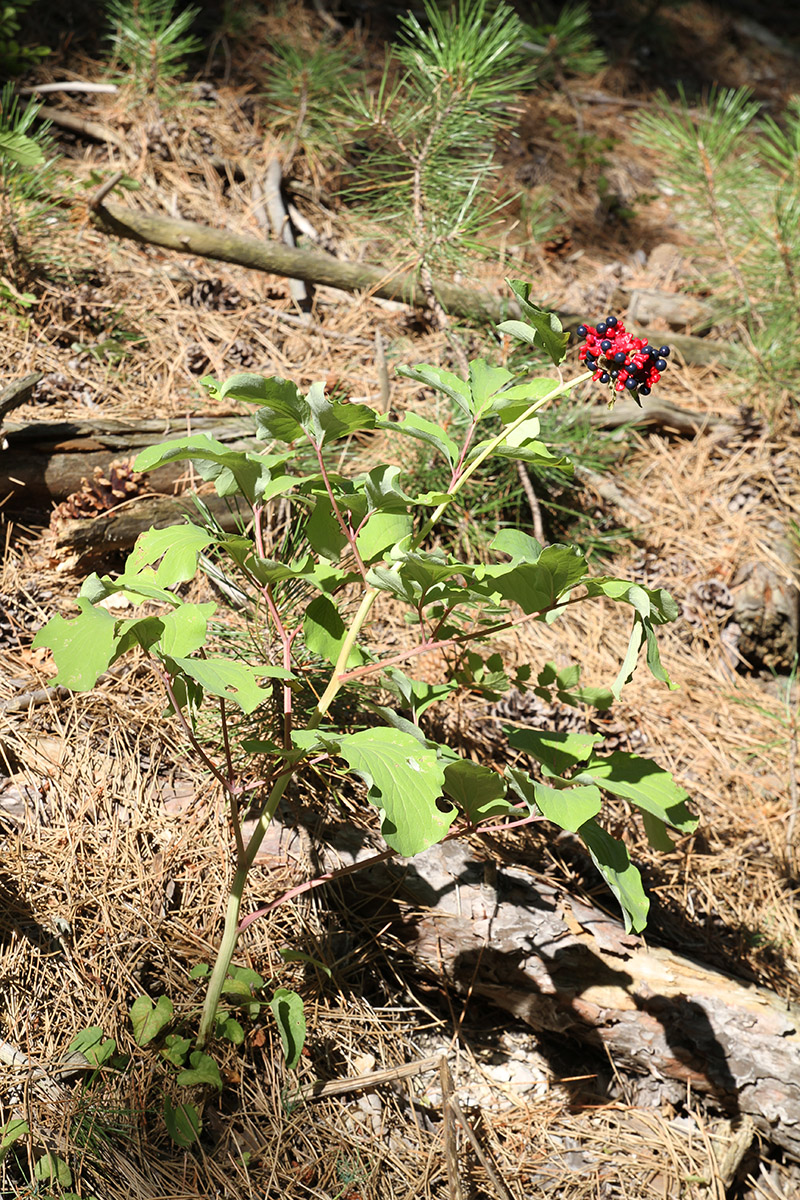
(46, 461)
(497, 932)
(189, 237)
(93, 538)
(661, 413)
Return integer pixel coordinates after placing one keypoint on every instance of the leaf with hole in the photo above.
(405, 781)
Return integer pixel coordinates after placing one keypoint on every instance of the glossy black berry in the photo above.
(605, 344)
(611, 322)
(620, 356)
(614, 374)
(630, 383)
(601, 328)
(604, 378)
(663, 351)
(582, 331)
(661, 364)
(644, 391)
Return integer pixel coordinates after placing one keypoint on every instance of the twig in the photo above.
(501, 1189)
(533, 503)
(70, 85)
(76, 124)
(383, 373)
(450, 1131)
(101, 193)
(282, 226)
(26, 700)
(341, 1087)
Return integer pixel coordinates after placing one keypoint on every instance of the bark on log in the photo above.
(564, 967)
(92, 538)
(46, 461)
(660, 413)
(189, 237)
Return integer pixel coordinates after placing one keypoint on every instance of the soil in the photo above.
(116, 863)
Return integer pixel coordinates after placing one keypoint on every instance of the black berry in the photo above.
(661, 364)
(601, 328)
(604, 378)
(582, 331)
(620, 356)
(630, 383)
(605, 344)
(663, 351)
(644, 391)
(611, 322)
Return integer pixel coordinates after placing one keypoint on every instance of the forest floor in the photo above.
(115, 864)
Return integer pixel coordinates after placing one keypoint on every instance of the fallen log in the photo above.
(312, 266)
(661, 413)
(563, 967)
(46, 461)
(92, 539)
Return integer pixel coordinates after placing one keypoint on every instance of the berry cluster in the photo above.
(617, 358)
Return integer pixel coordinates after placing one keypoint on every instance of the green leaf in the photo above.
(229, 1027)
(654, 658)
(416, 694)
(654, 604)
(610, 856)
(512, 403)
(287, 1008)
(537, 586)
(485, 382)
(183, 1123)
(477, 790)
(535, 454)
(519, 546)
(82, 648)
(200, 971)
(323, 531)
(631, 657)
(178, 548)
(203, 1072)
(324, 632)
(426, 431)
(175, 1049)
(560, 752)
(289, 956)
(568, 807)
(176, 633)
(231, 470)
(549, 335)
(22, 150)
(656, 832)
(405, 780)
(14, 1129)
(643, 782)
(333, 419)
(382, 531)
(442, 381)
(230, 679)
(95, 1048)
(149, 1018)
(51, 1169)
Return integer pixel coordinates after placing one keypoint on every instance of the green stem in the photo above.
(230, 933)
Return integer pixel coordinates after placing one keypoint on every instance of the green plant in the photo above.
(565, 46)
(737, 179)
(424, 141)
(308, 93)
(356, 540)
(27, 181)
(151, 41)
(14, 56)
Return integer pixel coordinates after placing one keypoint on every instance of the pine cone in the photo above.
(197, 361)
(106, 490)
